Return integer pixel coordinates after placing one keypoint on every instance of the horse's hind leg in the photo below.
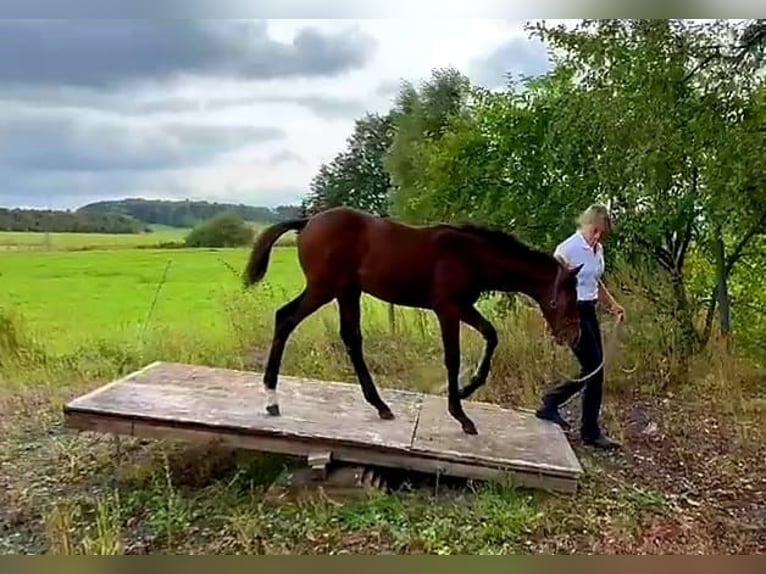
(351, 334)
(473, 318)
(287, 318)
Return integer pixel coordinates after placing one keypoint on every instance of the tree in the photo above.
(226, 229)
(356, 176)
(661, 120)
(421, 117)
(45, 220)
(663, 106)
(184, 213)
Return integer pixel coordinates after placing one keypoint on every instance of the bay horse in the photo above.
(345, 252)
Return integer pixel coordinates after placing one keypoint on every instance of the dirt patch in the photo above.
(700, 483)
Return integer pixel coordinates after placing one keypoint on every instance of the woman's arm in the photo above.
(606, 297)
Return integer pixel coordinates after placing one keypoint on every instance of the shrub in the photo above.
(223, 230)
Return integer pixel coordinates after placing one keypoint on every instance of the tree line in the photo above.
(135, 216)
(57, 221)
(186, 213)
(661, 120)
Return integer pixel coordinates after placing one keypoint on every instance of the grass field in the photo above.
(73, 317)
(112, 292)
(26, 241)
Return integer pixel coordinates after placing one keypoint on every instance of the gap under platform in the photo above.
(326, 421)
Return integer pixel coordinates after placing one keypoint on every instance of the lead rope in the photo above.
(610, 348)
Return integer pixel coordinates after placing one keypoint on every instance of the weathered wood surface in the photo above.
(508, 437)
(189, 402)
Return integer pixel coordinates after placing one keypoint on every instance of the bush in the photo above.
(223, 230)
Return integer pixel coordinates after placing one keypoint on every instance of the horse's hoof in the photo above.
(386, 415)
(469, 428)
(272, 410)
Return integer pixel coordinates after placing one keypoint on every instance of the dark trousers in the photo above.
(589, 352)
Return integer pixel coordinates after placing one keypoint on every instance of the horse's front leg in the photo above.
(471, 316)
(449, 321)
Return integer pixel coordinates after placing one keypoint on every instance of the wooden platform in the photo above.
(187, 402)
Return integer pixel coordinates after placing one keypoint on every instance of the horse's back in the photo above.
(330, 244)
(343, 246)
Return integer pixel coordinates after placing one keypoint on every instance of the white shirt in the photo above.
(575, 250)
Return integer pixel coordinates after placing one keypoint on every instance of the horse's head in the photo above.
(559, 305)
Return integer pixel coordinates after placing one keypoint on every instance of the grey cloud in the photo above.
(190, 8)
(51, 142)
(69, 189)
(106, 52)
(323, 106)
(286, 156)
(519, 56)
(123, 102)
(66, 189)
(329, 107)
(388, 88)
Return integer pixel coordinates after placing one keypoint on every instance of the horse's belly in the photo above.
(396, 269)
(399, 288)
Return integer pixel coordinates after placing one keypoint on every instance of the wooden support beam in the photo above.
(318, 461)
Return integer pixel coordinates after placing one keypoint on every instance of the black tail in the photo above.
(259, 257)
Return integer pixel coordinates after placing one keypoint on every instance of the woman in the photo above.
(584, 247)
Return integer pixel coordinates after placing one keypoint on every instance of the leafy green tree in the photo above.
(45, 220)
(356, 177)
(184, 213)
(506, 162)
(661, 120)
(664, 107)
(226, 229)
(421, 117)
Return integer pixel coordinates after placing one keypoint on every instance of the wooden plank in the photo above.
(198, 403)
(226, 399)
(86, 398)
(506, 439)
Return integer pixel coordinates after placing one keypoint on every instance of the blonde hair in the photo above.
(594, 214)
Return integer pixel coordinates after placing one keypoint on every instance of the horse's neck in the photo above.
(519, 275)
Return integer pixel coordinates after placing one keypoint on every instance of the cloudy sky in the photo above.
(211, 109)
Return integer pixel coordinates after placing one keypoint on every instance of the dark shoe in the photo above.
(552, 414)
(601, 442)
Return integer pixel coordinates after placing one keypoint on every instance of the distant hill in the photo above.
(185, 213)
(52, 221)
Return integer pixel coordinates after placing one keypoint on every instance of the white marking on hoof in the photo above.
(272, 403)
(271, 398)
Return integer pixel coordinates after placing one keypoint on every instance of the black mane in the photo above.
(506, 242)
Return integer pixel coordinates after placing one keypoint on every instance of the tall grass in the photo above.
(642, 356)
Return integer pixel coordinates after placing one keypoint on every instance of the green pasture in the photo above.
(67, 297)
(29, 240)
(67, 300)
(94, 313)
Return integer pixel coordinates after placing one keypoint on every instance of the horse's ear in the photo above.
(575, 270)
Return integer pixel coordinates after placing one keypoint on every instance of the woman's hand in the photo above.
(606, 299)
